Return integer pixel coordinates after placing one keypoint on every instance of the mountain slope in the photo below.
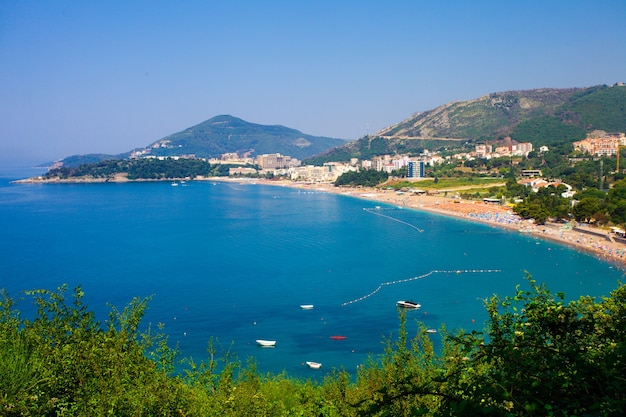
(497, 115)
(225, 134)
(486, 117)
(546, 116)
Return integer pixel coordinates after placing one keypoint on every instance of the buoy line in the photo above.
(375, 211)
(401, 281)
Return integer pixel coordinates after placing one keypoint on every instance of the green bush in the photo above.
(538, 356)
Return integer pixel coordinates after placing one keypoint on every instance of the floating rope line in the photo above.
(401, 281)
(376, 212)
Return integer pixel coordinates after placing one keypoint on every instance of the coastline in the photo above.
(592, 240)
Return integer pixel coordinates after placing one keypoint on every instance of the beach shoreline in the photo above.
(592, 240)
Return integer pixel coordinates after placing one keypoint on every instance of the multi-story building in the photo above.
(483, 150)
(327, 173)
(400, 162)
(275, 161)
(242, 171)
(415, 169)
(232, 158)
(521, 149)
(516, 149)
(503, 150)
(604, 146)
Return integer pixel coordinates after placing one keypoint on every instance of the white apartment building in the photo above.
(276, 161)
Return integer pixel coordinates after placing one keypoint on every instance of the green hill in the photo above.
(542, 117)
(223, 134)
(226, 134)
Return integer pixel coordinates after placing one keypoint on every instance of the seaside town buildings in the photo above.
(282, 165)
(487, 151)
(606, 144)
(598, 143)
(536, 183)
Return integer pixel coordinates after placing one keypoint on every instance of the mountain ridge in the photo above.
(223, 134)
(453, 120)
(544, 116)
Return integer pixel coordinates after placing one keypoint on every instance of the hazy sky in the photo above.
(110, 76)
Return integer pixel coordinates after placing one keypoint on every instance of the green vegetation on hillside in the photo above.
(369, 147)
(538, 356)
(144, 168)
(603, 108)
(365, 178)
(542, 117)
(223, 134)
(547, 130)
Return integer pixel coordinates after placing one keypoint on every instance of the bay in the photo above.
(235, 262)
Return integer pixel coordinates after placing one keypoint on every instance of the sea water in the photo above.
(234, 262)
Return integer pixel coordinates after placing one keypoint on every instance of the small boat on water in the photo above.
(431, 331)
(266, 343)
(306, 306)
(408, 304)
(338, 337)
(313, 365)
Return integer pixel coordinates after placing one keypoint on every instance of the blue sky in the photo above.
(106, 77)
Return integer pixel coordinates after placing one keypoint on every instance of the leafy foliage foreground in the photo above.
(538, 356)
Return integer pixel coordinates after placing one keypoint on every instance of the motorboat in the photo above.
(338, 337)
(431, 331)
(306, 306)
(266, 343)
(408, 304)
(313, 365)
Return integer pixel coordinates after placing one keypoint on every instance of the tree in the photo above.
(585, 209)
(542, 356)
(366, 178)
(532, 209)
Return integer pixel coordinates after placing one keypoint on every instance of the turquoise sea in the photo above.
(236, 261)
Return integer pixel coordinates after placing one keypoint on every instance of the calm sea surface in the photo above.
(235, 262)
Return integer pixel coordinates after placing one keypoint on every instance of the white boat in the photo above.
(266, 343)
(431, 331)
(306, 306)
(313, 365)
(174, 184)
(408, 304)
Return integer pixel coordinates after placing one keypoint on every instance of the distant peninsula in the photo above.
(136, 169)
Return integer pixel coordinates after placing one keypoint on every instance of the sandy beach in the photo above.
(594, 240)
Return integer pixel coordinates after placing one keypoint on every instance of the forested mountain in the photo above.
(541, 116)
(225, 134)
